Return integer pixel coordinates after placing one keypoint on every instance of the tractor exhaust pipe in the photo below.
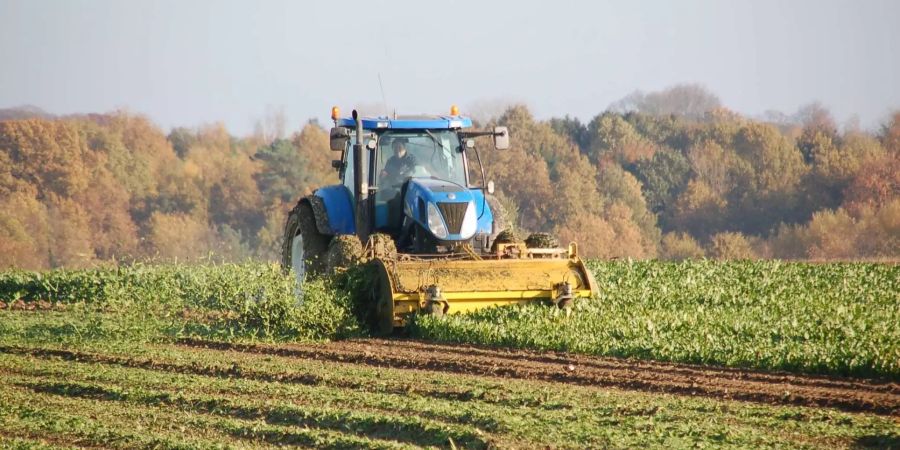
(360, 183)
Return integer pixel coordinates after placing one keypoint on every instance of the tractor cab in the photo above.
(404, 155)
(414, 180)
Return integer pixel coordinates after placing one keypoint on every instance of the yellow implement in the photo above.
(445, 286)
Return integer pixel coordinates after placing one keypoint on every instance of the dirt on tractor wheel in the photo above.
(778, 388)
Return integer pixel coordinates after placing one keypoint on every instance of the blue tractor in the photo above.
(408, 206)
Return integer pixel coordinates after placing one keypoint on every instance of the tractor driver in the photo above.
(402, 162)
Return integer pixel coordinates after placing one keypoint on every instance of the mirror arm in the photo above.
(474, 134)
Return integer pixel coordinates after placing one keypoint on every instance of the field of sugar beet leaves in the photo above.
(103, 358)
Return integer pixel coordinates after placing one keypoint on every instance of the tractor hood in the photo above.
(437, 190)
(449, 211)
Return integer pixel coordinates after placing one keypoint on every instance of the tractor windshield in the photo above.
(419, 153)
(413, 153)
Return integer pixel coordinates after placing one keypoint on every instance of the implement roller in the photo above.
(436, 242)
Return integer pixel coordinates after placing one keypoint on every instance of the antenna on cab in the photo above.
(383, 97)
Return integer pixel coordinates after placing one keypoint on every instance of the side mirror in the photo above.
(501, 138)
(340, 136)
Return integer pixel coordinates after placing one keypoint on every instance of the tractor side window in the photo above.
(348, 165)
(475, 168)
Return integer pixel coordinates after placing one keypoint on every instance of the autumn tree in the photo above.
(818, 124)
(621, 188)
(612, 138)
(181, 139)
(47, 157)
(679, 246)
(573, 129)
(82, 190)
(890, 134)
(312, 144)
(699, 210)
(730, 245)
(833, 167)
(594, 235)
(24, 232)
(522, 173)
(876, 183)
(777, 171)
(70, 243)
(178, 237)
(662, 178)
(226, 180)
(688, 100)
(283, 177)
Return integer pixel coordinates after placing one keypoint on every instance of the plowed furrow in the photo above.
(849, 394)
(600, 363)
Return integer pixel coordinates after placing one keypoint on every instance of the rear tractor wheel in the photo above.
(304, 247)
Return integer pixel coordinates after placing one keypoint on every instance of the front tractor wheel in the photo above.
(304, 247)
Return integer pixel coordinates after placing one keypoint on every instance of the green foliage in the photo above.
(189, 397)
(826, 318)
(251, 300)
(666, 130)
(284, 168)
(182, 139)
(613, 138)
(662, 178)
(572, 128)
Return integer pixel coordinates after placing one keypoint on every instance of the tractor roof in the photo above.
(409, 122)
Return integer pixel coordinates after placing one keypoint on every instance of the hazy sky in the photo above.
(193, 62)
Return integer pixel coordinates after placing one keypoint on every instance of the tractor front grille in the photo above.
(453, 215)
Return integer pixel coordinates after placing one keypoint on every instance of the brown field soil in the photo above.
(376, 393)
(776, 388)
(40, 305)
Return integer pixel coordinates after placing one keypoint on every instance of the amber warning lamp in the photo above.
(454, 111)
(335, 112)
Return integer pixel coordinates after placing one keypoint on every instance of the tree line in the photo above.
(669, 175)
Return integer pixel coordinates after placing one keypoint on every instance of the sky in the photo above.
(188, 63)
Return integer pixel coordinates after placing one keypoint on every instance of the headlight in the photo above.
(470, 222)
(436, 223)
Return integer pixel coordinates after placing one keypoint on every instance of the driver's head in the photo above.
(399, 148)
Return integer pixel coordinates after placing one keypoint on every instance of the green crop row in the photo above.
(173, 396)
(250, 300)
(839, 318)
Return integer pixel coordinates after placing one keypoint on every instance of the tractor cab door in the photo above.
(348, 167)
